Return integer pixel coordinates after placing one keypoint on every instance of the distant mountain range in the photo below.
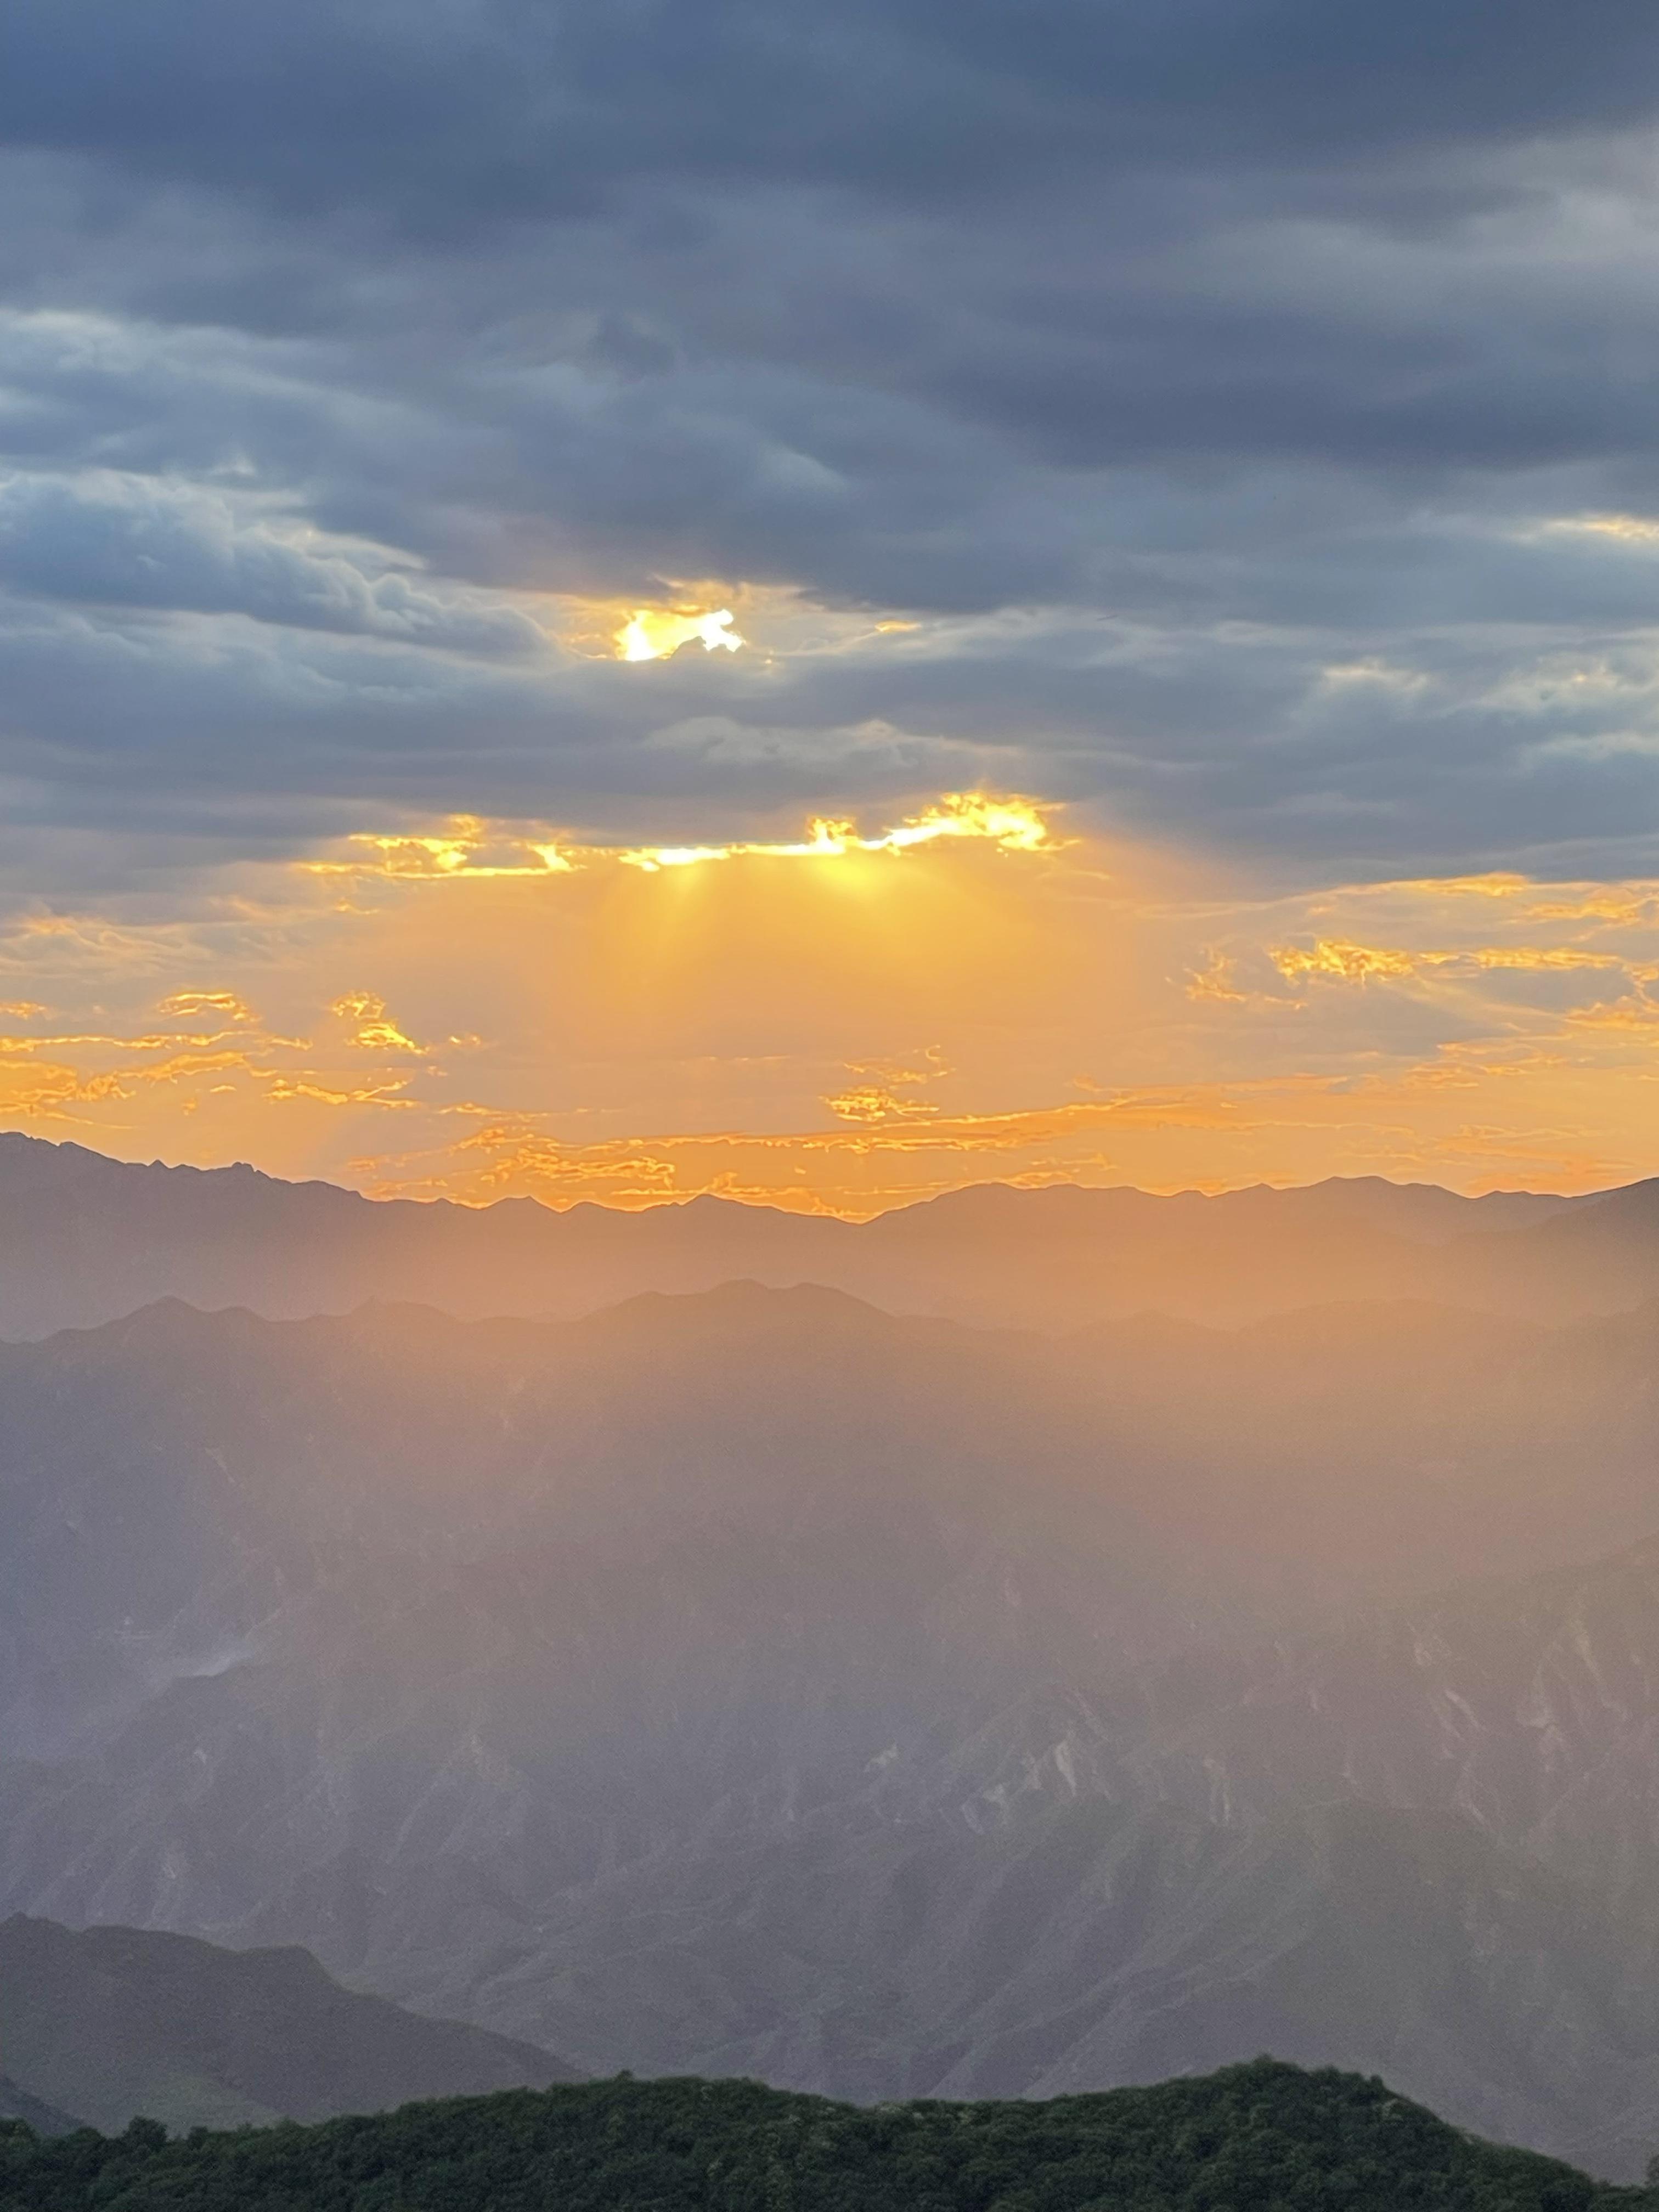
(99, 2026)
(84, 1239)
(755, 1682)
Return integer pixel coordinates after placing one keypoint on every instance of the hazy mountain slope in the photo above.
(1056, 1258)
(1533, 1708)
(84, 1239)
(108, 2023)
(1599, 1258)
(1412, 1443)
(180, 1494)
(1092, 1942)
(377, 1634)
(1256, 2134)
(16, 2104)
(1069, 1924)
(757, 1681)
(1381, 1940)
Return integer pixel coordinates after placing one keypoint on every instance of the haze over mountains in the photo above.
(86, 1239)
(754, 1680)
(755, 656)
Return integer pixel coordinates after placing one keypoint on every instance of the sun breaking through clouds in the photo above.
(476, 1011)
(632, 523)
(467, 847)
(652, 633)
(1013, 825)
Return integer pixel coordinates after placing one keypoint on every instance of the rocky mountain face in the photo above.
(84, 1239)
(109, 2022)
(755, 1682)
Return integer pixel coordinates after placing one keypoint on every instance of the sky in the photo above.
(623, 600)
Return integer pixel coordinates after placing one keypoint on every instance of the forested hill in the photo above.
(1263, 2135)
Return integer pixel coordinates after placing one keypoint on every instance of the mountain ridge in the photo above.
(16, 2104)
(110, 2022)
(1262, 2133)
(84, 1237)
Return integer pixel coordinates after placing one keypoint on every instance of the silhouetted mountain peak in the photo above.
(744, 1303)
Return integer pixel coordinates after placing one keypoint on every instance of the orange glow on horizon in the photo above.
(571, 1021)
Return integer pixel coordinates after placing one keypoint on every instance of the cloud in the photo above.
(1235, 401)
(844, 1034)
(457, 114)
(126, 541)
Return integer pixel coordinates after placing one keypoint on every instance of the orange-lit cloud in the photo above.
(1013, 825)
(1204, 1136)
(181, 1005)
(371, 1026)
(561, 1021)
(870, 1102)
(467, 847)
(1334, 959)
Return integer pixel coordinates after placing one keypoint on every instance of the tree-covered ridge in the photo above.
(1249, 2138)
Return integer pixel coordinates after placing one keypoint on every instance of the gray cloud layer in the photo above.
(1210, 382)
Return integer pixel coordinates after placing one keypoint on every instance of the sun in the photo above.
(653, 633)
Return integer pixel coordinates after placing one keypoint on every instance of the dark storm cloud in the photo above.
(455, 112)
(1212, 382)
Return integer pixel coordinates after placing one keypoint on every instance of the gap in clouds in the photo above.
(485, 1010)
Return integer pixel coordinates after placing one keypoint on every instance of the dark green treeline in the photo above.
(1264, 2137)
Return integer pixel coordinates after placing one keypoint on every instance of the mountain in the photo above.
(1253, 2135)
(1301, 1849)
(1058, 1257)
(755, 1682)
(16, 2104)
(110, 2022)
(84, 1239)
(1093, 1941)
(1530, 1708)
